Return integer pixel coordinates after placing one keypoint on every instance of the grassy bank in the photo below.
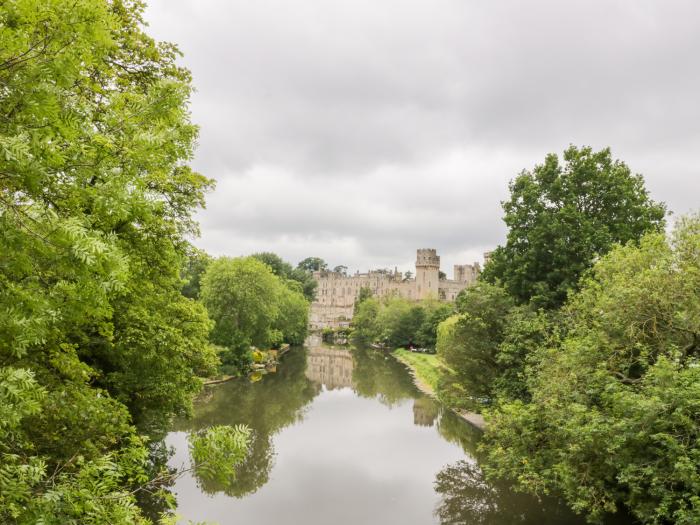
(425, 366)
(426, 370)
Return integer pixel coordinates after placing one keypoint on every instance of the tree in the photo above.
(561, 218)
(366, 329)
(293, 319)
(614, 414)
(242, 296)
(364, 294)
(307, 281)
(284, 270)
(312, 264)
(468, 343)
(196, 263)
(341, 269)
(96, 203)
(400, 320)
(251, 306)
(278, 266)
(435, 313)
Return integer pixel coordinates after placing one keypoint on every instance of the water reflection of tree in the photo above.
(377, 375)
(467, 498)
(266, 407)
(456, 430)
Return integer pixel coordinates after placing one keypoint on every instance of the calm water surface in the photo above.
(343, 437)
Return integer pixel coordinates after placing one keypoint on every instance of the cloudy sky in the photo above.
(360, 130)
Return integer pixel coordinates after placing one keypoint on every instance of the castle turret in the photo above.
(427, 273)
(467, 273)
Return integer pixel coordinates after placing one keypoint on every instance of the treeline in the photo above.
(257, 301)
(396, 322)
(581, 344)
(99, 346)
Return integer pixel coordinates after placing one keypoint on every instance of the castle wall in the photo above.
(336, 293)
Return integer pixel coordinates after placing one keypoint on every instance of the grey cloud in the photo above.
(377, 127)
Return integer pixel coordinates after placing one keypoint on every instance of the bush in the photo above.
(614, 414)
(398, 322)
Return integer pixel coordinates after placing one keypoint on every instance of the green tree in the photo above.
(293, 319)
(307, 281)
(365, 327)
(435, 313)
(196, 263)
(400, 320)
(242, 296)
(96, 201)
(468, 344)
(396, 321)
(284, 270)
(614, 414)
(312, 264)
(278, 266)
(342, 269)
(561, 217)
(364, 294)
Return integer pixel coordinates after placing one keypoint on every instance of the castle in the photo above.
(336, 292)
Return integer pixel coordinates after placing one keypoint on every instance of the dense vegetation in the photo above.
(99, 348)
(613, 416)
(301, 274)
(561, 217)
(582, 344)
(398, 322)
(251, 306)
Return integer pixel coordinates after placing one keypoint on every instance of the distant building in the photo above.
(336, 292)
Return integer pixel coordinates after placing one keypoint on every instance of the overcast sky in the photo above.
(360, 130)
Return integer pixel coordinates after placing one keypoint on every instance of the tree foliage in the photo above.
(614, 414)
(490, 347)
(468, 344)
(251, 306)
(561, 217)
(217, 450)
(312, 264)
(285, 270)
(398, 322)
(196, 263)
(97, 344)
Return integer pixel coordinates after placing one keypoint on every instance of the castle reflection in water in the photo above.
(330, 367)
(333, 367)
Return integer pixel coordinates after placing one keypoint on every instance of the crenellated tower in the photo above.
(427, 273)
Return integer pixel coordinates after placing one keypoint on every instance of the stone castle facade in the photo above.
(336, 292)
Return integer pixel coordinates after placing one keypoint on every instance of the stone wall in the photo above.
(336, 293)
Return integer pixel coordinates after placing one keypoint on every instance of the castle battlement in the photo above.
(427, 257)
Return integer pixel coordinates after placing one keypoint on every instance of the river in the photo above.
(342, 436)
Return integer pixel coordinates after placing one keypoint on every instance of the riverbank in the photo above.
(425, 370)
(424, 367)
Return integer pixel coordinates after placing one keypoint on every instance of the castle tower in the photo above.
(427, 273)
(467, 273)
